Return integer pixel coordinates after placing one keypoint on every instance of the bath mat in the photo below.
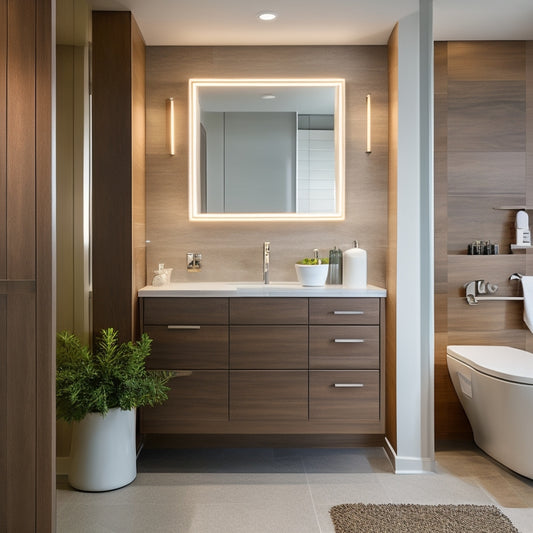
(410, 518)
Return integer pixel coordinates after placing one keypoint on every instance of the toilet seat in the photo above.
(503, 362)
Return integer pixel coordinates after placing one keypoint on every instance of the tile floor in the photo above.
(282, 490)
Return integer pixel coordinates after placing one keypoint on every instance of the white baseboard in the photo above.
(409, 465)
(62, 465)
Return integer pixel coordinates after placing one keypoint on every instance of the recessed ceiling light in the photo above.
(268, 97)
(267, 15)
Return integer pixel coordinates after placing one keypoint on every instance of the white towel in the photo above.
(527, 286)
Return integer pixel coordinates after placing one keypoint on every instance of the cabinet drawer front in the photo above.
(202, 395)
(268, 311)
(268, 347)
(349, 394)
(268, 395)
(350, 347)
(344, 311)
(185, 311)
(205, 347)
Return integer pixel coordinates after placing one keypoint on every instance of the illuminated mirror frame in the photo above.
(194, 152)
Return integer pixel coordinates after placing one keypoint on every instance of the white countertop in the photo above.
(251, 289)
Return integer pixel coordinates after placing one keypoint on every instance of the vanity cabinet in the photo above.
(267, 365)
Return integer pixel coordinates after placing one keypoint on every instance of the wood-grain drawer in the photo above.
(344, 347)
(259, 395)
(348, 394)
(268, 311)
(202, 395)
(185, 311)
(268, 347)
(344, 311)
(204, 347)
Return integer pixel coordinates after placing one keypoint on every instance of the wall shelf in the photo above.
(515, 207)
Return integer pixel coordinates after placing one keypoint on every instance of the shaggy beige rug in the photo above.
(410, 518)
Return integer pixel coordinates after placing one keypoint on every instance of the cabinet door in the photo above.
(268, 347)
(200, 396)
(185, 311)
(188, 347)
(268, 311)
(349, 347)
(259, 395)
(344, 311)
(347, 394)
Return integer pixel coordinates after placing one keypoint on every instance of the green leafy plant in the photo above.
(112, 375)
(312, 261)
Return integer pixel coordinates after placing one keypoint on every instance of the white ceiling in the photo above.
(319, 22)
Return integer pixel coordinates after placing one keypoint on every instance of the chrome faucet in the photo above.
(266, 262)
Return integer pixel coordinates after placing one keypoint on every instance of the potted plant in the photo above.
(99, 390)
(312, 272)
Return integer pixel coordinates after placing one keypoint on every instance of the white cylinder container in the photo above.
(354, 268)
(103, 455)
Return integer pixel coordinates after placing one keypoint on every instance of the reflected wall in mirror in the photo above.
(266, 149)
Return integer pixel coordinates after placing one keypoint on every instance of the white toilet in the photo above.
(495, 387)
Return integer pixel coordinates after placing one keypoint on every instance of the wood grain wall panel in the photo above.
(486, 116)
(391, 269)
(21, 132)
(21, 386)
(3, 400)
(486, 60)
(505, 337)
(27, 376)
(473, 217)
(482, 173)
(118, 172)
(138, 69)
(529, 122)
(495, 269)
(3, 139)
(489, 316)
(232, 250)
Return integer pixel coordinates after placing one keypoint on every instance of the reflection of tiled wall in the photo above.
(483, 160)
(232, 250)
(316, 171)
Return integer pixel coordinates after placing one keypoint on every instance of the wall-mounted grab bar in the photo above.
(479, 287)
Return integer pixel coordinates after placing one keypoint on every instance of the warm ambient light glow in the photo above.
(194, 143)
(171, 133)
(368, 125)
(267, 16)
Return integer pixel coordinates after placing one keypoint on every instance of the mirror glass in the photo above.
(266, 149)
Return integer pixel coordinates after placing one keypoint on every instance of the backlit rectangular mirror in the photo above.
(266, 149)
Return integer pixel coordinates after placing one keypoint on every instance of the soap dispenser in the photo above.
(335, 267)
(354, 268)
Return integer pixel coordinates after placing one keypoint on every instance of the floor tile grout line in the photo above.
(311, 496)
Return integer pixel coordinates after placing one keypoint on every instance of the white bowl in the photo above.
(312, 275)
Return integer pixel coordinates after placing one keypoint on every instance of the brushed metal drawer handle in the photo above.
(348, 385)
(348, 340)
(171, 326)
(348, 312)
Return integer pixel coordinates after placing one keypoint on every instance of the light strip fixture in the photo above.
(368, 124)
(171, 132)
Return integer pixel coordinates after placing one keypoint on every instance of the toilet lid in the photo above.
(501, 362)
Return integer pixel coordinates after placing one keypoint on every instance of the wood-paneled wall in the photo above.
(483, 159)
(27, 284)
(118, 218)
(232, 251)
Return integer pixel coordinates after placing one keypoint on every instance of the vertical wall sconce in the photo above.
(368, 124)
(170, 124)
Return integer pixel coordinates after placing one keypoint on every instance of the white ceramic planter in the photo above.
(312, 275)
(103, 455)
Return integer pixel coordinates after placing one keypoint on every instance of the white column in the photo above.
(414, 326)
